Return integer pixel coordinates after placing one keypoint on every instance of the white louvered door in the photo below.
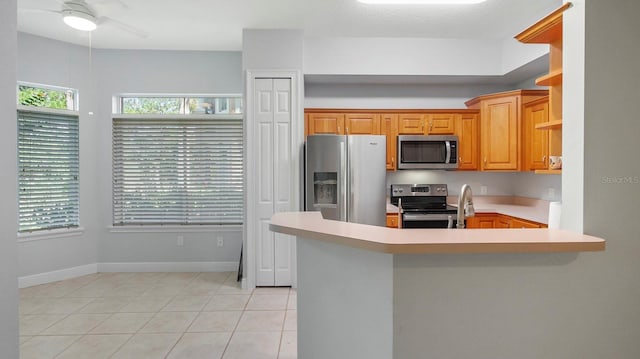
(273, 129)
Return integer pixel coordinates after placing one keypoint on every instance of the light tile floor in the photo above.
(156, 315)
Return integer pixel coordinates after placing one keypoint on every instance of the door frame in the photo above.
(250, 228)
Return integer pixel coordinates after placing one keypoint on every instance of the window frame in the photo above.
(76, 96)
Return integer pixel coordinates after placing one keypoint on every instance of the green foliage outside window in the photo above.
(155, 105)
(43, 97)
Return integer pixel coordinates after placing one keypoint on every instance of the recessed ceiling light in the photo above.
(420, 2)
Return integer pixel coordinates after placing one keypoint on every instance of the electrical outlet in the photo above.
(220, 242)
(180, 241)
(483, 190)
(551, 193)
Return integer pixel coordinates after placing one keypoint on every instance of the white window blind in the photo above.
(48, 170)
(177, 171)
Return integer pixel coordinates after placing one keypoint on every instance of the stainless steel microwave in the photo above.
(428, 152)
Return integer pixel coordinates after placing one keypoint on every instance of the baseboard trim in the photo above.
(68, 273)
(168, 267)
(54, 276)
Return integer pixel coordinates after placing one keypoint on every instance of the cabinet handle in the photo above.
(347, 130)
(338, 129)
(485, 160)
(393, 162)
(460, 159)
(544, 158)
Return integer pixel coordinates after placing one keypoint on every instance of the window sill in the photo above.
(175, 228)
(50, 234)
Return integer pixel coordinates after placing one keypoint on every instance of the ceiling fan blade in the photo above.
(119, 2)
(39, 10)
(126, 27)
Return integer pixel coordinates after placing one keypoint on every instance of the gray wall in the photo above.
(612, 169)
(69, 66)
(99, 75)
(134, 71)
(8, 185)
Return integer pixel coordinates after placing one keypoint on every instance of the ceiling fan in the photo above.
(79, 15)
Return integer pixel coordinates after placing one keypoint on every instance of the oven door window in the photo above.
(423, 152)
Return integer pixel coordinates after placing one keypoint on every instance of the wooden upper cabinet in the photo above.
(411, 124)
(467, 129)
(440, 124)
(326, 123)
(362, 124)
(501, 128)
(389, 127)
(536, 141)
(500, 134)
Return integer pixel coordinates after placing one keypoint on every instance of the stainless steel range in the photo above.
(423, 206)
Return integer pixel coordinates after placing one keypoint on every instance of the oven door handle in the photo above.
(426, 217)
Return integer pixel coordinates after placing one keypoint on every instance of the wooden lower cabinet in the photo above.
(481, 220)
(495, 220)
(392, 220)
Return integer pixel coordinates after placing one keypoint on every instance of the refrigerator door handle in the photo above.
(343, 183)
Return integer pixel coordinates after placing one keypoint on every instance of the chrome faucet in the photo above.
(465, 205)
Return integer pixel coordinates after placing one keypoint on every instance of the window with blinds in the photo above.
(48, 171)
(177, 170)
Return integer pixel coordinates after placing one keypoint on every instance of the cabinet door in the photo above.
(536, 141)
(502, 221)
(467, 130)
(440, 124)
(481, 220)
(500, 134)
(392, 220)
(411, 124)
(389, 127)
(362, 124)
(521, 223)
(323, 123)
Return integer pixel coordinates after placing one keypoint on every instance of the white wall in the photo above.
(108, 73)
(381, 96)
(8, 184)
(573, 106)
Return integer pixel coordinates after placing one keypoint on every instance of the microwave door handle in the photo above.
(447, 145)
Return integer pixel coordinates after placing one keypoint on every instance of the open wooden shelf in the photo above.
(549, 125)
(551, 79)
(545, 31)
(548, 172)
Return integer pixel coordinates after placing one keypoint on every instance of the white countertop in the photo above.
(311, 225)
(536, 210)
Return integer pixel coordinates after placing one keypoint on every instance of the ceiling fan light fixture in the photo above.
(420, 2)
(79, 20)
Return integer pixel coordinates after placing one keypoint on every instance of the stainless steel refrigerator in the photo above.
(346, 178)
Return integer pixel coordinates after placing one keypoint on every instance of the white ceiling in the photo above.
(218, 24)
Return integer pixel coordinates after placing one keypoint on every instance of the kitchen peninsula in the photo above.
(374, 292)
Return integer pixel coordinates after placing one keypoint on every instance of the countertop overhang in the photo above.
(311, 225)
